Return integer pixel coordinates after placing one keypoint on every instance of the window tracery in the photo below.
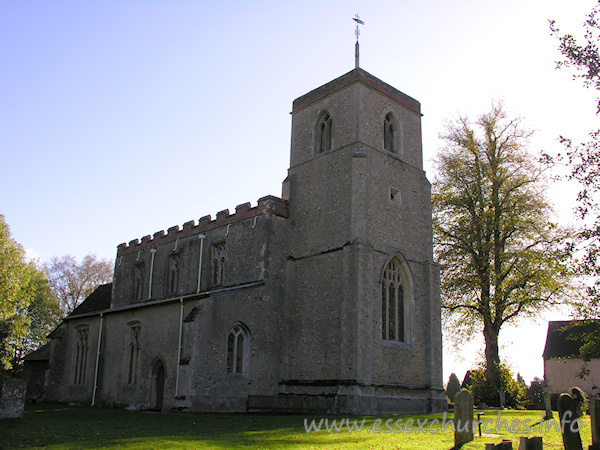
(395, 304)
(237, 350)
(81, 352)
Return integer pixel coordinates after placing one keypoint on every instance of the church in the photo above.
(325, 299)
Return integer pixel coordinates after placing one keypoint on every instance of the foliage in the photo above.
(17, 290)
(72, 282)
(44, 312)
(453, 386)
(484, 391)
(584, 158)
(535, 391)
(501, 256)
(28, 309)
(581, 400)
(521, 380)
(42, 315)
(585, 57)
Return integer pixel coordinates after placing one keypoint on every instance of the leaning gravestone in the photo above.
(566, 414)
(463, 418)
(595, 419)
(12, 401)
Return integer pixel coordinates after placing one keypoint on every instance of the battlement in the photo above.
(244, 211)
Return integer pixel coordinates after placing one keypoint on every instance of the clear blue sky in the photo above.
(122, 118)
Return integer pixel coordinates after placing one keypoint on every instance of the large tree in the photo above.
(501, 256)
(17, 290)
(72, 281)
(28, 310)
(583, 56)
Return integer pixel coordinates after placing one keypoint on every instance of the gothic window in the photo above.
(133, 353)
(390, 133)
(217, 263)
(237, 350)
(138, 283)
(81, 352)
(173, 274)
(324, 132)
(395, 304)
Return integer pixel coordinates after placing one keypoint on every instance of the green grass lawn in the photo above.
(57, 426)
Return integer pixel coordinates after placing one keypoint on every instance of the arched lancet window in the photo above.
(395, 303)
(390, 133)
(218, 263)
(133, 352)
(173, 275)
(237, 350)
(324, 133)
(81, 352)
(138, 284)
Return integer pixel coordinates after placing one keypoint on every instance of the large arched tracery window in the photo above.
(237, 349)
(396, 302)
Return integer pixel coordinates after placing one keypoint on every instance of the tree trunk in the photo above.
(492, 358)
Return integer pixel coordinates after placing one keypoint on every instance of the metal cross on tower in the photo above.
(357, 33)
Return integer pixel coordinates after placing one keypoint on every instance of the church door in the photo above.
(158, 385)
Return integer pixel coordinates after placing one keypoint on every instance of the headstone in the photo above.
(566, 414)
(506, 444)
(530, 443)
(502, 398)
(549, 415)
(595, 422)
(463, 418)
(12, 401)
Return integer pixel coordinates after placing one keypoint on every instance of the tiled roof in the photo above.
(565, 337)
(97, 301)
(41, 354)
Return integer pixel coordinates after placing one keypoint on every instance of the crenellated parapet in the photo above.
(268, 204)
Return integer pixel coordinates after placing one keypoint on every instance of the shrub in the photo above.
(453, 387)
(535, 392)
(483, 391)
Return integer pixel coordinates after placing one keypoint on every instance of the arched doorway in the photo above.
(158, 385)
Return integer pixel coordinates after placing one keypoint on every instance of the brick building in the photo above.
(326, 299)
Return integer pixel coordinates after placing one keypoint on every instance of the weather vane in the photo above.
(358, 22)
(357, 33)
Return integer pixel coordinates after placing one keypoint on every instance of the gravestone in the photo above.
(502, 395)
(595, 422)
(566, 414)
(12, 401)
(530, 443)
(506, 444)
(463, 418)
(549, 414)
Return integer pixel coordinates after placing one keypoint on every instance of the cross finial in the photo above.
(357, 33)
(358, 22)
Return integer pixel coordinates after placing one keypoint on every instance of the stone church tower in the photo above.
(363, 292)
(326, 299)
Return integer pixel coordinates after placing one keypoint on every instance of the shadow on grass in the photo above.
(59, 426)
(87, 427)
